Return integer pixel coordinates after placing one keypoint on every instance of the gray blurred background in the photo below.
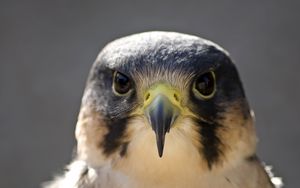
(47, 48)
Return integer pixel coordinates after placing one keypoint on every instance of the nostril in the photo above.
(176, 97)
(147, 96)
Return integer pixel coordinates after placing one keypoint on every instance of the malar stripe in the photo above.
(113, 139)
(210, 141)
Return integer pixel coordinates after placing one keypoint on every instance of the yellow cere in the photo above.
(173, 95)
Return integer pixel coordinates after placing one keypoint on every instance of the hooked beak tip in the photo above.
(160, 145)
(161, 114)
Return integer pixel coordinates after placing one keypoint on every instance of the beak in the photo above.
(161, 114)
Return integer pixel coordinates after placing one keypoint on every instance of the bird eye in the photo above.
(121, 84)
(205, 85)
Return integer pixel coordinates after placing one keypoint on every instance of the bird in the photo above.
(166, 110)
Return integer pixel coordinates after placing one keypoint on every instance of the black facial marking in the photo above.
(115, 109)
(113, 139)
(209, 141)
(228, 91)
(99, 93)
(229, 85)
(208, 109)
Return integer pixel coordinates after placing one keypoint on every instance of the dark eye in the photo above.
(122, 83)
(205, 85)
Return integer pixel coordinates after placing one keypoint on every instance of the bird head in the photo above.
(166, 92)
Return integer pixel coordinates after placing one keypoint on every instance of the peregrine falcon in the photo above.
(165, 110)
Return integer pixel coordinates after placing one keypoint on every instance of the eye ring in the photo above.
(122, 84)
(205, 85)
